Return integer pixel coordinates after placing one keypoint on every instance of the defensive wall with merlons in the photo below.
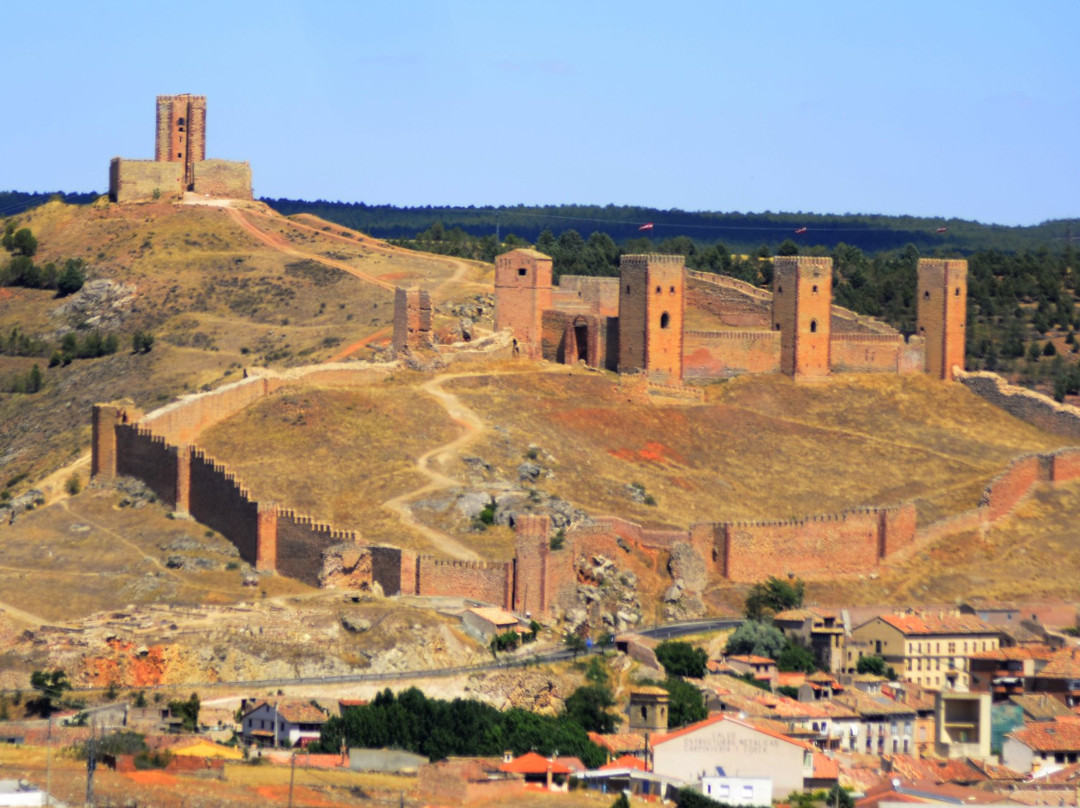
(159, 449)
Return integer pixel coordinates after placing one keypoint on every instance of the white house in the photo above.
(742, 750)
(737, 790)
(283, 723)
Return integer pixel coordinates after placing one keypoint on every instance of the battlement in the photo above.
(733, 334)
(728, 282)
(896, 337)
(320, 529)
(802, 263)
(641, 260)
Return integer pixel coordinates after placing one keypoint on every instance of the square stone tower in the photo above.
(181, 132)
(802, 311)
(522, 294)
(649, 709)
(942, 314)
(651, 304)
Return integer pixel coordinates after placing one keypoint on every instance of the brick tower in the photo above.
(522, 293)
(943, 314)
(802, 308)
(181, 132)
(651, 304)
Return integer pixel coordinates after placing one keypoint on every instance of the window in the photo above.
(778, 326)
(779, 290)
(522, 272)
(957, 292)
(672, 290)
(180, 121)
(627, 288)
(665, 320)
(179, 154)
(815, 289)
(926, 295)
(813, 326)
(657, 290)
(748, 792)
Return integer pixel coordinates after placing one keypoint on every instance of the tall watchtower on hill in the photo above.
(802, 311)
(651, 305)
(943, 313)
(181, 132)
(522, 293)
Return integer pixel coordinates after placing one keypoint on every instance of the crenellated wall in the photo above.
(723, 354)
(219, 501)
(876, 353)
(140, 453)
(486, 581)
(301, 542)
(1027, 405)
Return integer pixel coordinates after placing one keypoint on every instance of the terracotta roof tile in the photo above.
(1060, 735)
(626, 762)
(1040, 706)
(752, 659)
(1065, 664)
(910, 624)
(534, 763)
(825, 768)
(619, 742)
(1016, 653)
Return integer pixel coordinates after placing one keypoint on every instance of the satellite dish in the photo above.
(896, 782)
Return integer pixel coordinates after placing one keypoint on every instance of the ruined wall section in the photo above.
(1005, 491)
(386, 568)
(138, 180)
(734, 302)
(942, 314)
(301, 543)
(1027, 405)
(222, 179)
(412, 320)
(724, 354)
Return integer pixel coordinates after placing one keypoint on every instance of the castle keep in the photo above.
(179, 163)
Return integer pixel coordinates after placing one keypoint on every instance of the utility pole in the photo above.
(48, 763)
(91, 765)
(292, 775)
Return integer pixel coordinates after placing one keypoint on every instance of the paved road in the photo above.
(551, 654)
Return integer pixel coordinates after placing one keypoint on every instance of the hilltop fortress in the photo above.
(635, 325)
(179, 163)
(636, 322)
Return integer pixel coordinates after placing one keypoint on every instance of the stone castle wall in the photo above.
(875, 353)
(222, 179)
(133, 180)
(301, 542)
(485, 581)
(723, 354)
(149, 457)
(219, 501)
(1027, 405)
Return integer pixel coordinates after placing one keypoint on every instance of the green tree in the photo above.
(686, 704)
(795, 657)
(875, 666)
(687, 797)
(71, 278)
(682, 659)
(187, 712)
(760, 639)
(22, 243)
(34, 379)
(787, 247)
(773, 596)
(51, 686)
(142, 342)
(590, 707)
(622, 801)
(574, 642)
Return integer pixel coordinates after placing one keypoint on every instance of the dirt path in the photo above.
(349, 350)
(474, 427)
(281, 245)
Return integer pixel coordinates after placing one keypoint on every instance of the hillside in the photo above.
(761, 447)
(220, 289)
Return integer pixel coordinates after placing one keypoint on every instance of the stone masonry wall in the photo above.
(851, 542)
(734, 302)
(222, 179)
(136, 180)
(722, 354)
(142, 454)
(386, 568)
(866, 353)
(1027, 405)
(220, 502)
(485, 581)
(184, 419)
(1010, 486)
(301, 542)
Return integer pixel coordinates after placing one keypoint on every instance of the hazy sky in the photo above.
(943, 108)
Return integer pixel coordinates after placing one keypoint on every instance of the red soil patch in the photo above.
(153, 778)
(301, 796)
(651, 452)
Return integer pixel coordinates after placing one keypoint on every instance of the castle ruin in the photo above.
(179, 165)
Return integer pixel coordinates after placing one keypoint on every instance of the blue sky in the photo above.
(966, 109)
